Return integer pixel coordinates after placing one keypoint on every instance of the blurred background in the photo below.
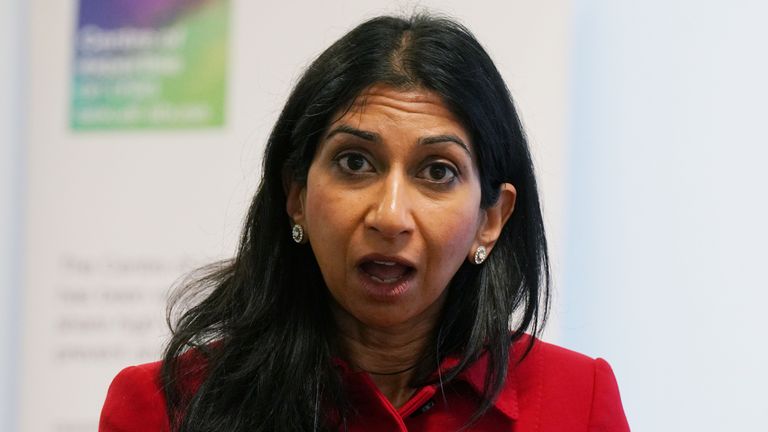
(131, 135)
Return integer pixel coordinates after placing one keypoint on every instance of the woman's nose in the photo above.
(390, 212)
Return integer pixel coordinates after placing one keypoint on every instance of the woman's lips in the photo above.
(384, 271)
(385, 277)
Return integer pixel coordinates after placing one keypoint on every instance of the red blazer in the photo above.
(552, 389)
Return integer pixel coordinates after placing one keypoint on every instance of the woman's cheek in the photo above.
(322, 198)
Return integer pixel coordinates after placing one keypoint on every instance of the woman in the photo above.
(391, 264)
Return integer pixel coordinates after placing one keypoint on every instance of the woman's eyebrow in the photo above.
(366, 135)
(435, 139)
(374, 137)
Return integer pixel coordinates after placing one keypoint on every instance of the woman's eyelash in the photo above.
(439, 172)
(353, 162)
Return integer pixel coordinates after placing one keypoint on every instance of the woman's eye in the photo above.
(354, 163)
(438, 173)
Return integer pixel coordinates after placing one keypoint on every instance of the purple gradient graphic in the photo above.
(112, 14)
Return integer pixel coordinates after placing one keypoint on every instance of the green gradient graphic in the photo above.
(168, 76)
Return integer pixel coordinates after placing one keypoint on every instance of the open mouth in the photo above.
(386, 271)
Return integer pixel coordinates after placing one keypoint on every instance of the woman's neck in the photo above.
(389, 355)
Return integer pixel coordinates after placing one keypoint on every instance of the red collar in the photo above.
(474, 375)
(506, 403)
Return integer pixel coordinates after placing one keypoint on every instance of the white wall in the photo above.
(11, 56)
(667, 208)
(160, 202)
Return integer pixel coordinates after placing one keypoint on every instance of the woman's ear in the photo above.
(294, 202)
(495, 218)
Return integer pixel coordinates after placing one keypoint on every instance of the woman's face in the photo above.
(391, 206)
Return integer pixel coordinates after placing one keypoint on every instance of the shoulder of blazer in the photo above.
(560, 389)
(135, 401)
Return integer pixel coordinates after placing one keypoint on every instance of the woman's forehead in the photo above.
(380, 104)
(409, 99)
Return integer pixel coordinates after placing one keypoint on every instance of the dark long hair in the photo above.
(261, 322)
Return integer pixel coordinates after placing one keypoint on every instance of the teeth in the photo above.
(380, 280)
(386, 263)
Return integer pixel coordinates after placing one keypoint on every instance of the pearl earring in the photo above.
(480, 254)
(297, 232)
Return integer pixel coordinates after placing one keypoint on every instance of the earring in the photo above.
(480, 254)
(297, 232)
